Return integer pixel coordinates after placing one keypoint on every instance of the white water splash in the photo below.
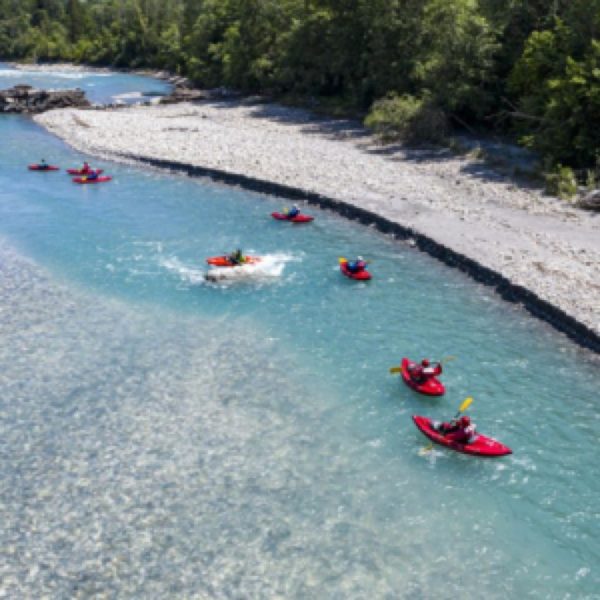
(57, 74)
(193, 275)
(129, 96)
(271, 266)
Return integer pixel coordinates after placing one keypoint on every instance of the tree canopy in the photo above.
(526, 67)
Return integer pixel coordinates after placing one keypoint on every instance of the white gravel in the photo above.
(537, 241)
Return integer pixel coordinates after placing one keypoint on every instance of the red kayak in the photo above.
(362, 275)
(225, 261)
(430, 387)
(82, 172)
(84, 179)
(43, 168)
(480, 446)
(297, 219)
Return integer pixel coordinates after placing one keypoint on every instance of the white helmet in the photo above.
(360, 258)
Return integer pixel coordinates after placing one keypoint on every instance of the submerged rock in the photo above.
(26, 99)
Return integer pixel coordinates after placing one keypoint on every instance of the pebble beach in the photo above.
(536, 241)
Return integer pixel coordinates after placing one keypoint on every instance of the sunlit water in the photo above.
(164, 436)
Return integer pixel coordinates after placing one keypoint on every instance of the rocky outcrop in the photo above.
(183, 94)
(25, 99)
(590, 201)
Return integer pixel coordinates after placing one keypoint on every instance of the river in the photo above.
(164, 436)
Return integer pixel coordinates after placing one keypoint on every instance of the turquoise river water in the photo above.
(162, 436)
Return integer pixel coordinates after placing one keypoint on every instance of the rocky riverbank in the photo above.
(532, 242)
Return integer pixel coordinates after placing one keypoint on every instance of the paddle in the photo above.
(465, 404)
(442, 362)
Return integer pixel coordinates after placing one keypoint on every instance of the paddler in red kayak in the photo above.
(237, 258)
(458, 430)
(355, 266)
(85, 170)
(91, 175)
(292, 212)
(420, 373)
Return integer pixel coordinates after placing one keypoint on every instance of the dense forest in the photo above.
(529, 68)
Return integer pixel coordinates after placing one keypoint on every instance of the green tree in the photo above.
(456, 59)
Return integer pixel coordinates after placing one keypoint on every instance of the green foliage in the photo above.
(591, 180)
(529, 67)
(562, 182)
(456, 62)
(560, 94)
(407, 118)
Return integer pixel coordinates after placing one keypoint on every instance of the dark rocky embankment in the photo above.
(26, 99)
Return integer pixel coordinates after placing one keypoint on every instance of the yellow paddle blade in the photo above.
(395, 369)
(342, 259)
(426, 449)
(447, 359)
(466, 403)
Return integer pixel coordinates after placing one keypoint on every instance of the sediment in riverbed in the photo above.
(534, 249)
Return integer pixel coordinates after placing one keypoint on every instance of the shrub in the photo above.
(562, 182)
(407, 118)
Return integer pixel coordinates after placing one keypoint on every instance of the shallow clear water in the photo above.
(161, 436)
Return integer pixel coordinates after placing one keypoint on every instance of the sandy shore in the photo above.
(535, 241)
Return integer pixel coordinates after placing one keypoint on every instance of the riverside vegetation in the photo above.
(526, 68)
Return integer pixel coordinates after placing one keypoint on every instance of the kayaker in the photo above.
(85, 169)
(458, 430)
(237, 258)
(422, 372)
(293, 212)
(91, 175)
(354, 266)
(43, 164)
